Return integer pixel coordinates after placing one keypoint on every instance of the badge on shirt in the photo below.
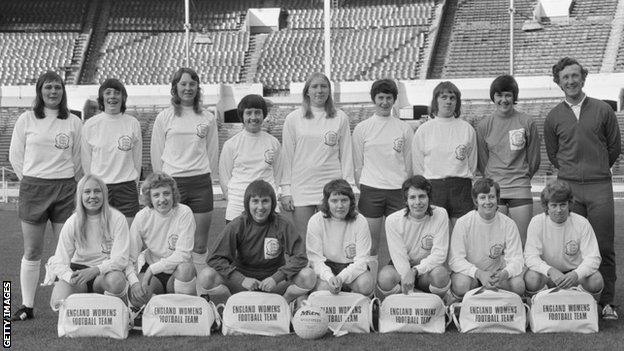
(461, 152)
(516, 139)
(496, 251)
(571, 248)
(427, 242)
(398, 144)
(271, 248)
(124, 143)
(330, 138)
(350, 251)
(61, 141)
(202, 130)
(172, 241)
(269, 156)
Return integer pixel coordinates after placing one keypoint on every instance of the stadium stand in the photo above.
(38, 15)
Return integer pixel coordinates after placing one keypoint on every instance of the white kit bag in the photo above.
(90, 314)
(256, 313)
(348, 312)
(416, 312)
(563, 310)
(490, 311)
(179, 314)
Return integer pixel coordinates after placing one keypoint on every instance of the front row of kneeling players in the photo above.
(260, 250)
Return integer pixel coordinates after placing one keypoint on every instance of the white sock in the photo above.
(199, 261)
(218, 294)
(450, 297)
(595, 295)
(29, 279)
(122, 295)
(373, 265)
(395, 290)
(440, 291)
(293, 292)
(186, 288)
(530, 293)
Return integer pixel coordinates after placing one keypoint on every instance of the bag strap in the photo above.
(452, 311)
(337, 331)
(215, 312)
(374, 301)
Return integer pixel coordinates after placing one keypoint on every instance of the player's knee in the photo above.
(184, 272)
(594, 283)
(306, 278)
(114, 282)
(533, 280)
(363, 284)
(516, 284)
(208, 278)
(460, 283)
(33, 253)
(440, 277)
(387, 278)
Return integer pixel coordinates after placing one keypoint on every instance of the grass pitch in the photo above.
(41, 333)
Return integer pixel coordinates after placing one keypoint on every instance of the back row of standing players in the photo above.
(49, 148)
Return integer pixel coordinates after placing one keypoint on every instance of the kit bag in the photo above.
(563, 310)
(348, 312)
(256, 313)
(90, 314)
(179, 314)
(416, 312)
(490, 311)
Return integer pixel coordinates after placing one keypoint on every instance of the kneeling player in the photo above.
(258, 250)
(92, 251)
(485, 246)
(418, 242)
(338, 242)
(164, 230)
(561, 248)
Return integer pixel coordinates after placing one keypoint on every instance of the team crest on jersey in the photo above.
(461, 152)
(398, 144)
(271, 248)
(571, 248)
(106, 246)
(202, 130)
(496, 251)
(61, 141)
(330, 138)
(516, 139)
(124, 143)
(172, 241)
(350, 251)
(427, 242)
(269, 156)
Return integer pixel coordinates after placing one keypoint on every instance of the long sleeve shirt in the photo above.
(340, 241)
(382, 154)
(168, 239)
(46, 148)
(489, 245)
(186, 145)
(445, 147)
(249, 249)
(315, 151)
(105, 253)
(246, 157)
(422, 243)
(583, 150)
(112, 147)
(567, 246)
(509, 152)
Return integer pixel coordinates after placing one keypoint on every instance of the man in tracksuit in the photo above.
(582, 140)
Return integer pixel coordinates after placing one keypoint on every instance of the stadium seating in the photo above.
(38, 15)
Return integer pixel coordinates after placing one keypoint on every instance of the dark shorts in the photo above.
(124, 197)
(511, 203)
(41, 200)
(75, 267)
(375, 203)
(162, 276)
(196, 192)
(454, 194)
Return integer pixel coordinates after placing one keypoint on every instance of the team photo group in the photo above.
(453, 202)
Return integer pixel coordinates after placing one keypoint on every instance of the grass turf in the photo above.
(41, 333)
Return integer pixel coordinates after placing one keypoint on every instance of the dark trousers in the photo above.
(595, 202)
